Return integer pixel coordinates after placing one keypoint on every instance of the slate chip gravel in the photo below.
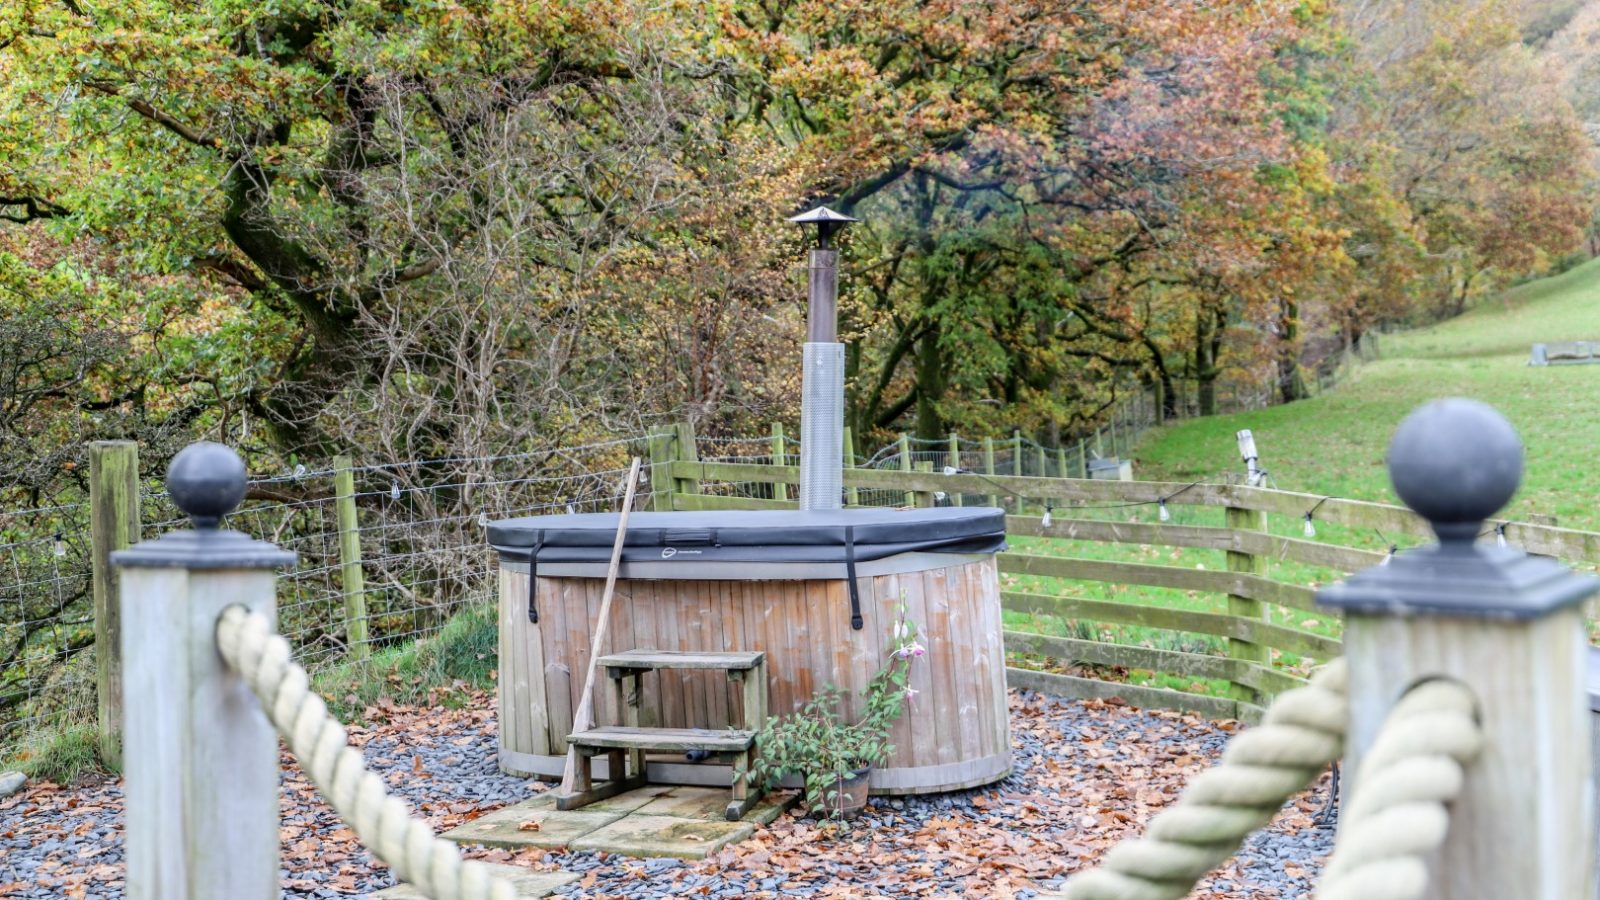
(1088, 773)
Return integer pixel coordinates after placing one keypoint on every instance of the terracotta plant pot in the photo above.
(851, 798)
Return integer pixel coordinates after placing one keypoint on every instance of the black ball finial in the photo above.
(1455, 462)
(207, 481)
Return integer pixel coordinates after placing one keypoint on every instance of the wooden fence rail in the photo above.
(1256, 616)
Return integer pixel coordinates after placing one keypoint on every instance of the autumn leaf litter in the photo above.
(1088, 774)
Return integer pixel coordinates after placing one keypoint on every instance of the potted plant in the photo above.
(832, 758)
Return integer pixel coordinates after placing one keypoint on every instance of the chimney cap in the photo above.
(827, 221)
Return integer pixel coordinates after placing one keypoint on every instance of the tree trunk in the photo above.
(1291, 384)
(931, 384)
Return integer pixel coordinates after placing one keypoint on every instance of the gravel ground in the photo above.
(1088, 774)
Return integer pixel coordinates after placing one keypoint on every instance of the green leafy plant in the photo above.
(818, 746)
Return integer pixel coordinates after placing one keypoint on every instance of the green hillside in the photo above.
(1334, 443)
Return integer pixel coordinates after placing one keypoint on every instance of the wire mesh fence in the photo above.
(423, 555)
(46, 616)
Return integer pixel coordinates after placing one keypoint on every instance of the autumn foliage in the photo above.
(413, 229)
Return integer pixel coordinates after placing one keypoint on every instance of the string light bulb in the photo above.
(1500, 535)
(1161, 510)
(1310, 529)
(61, 546)
(483, 518)
(1047, 518)
(1393, 548)
(394, 490)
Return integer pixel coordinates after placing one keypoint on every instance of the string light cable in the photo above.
(1310, 529)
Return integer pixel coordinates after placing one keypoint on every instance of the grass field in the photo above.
(1334, 443)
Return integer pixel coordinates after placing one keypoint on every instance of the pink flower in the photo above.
(912, 649)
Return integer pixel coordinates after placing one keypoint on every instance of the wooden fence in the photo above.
(1257, 621)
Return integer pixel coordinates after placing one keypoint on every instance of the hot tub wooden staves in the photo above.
(954, 733)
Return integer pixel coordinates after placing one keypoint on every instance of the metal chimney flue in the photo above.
(822, 382)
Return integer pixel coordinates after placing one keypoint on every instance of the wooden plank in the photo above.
(1394, 521)
(1243, 605)
(983, 593)
(641, 612)
(688, 454)
(113, 525)
(948, 607)
(1103, 653)
(852, 496)
(905, 464)
(661, 449)
(988, 468)
(1523, 825)
(352, 581)
(952, 459)
(716, 740)
(717, 501)
(780, 454)
(1278, 637)
(929, 726)
(201, 761)
(562, 634)
(1199, 537)
(1138, 695)
(1244, 584)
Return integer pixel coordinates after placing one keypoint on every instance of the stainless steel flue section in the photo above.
(822, 382)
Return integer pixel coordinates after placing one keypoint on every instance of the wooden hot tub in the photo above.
(762, 580)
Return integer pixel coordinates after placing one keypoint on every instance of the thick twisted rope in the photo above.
(1397, 817)
(383, 823)
(1300, 735)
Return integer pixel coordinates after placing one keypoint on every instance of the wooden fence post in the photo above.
(905, 465)
(780, 456)
(953, 460)
(1016, 460)
(686, 452)
(1507, 626)
(660, 445)
(988, 466)
(1238, 519)
(1083, 457)
(200, 761)
(925, 499)
(1061, 462)
(113, 526)
(352, 580)
(1044, 467)
(852, 496)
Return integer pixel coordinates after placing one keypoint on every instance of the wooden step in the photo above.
(637, 660)
(616, 737)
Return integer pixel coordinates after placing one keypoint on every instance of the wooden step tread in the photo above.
(733, 660)
(618, 737)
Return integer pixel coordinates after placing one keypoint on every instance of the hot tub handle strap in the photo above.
(850, 575)
(533, 576)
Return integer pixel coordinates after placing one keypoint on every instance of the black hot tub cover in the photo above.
(753, 535)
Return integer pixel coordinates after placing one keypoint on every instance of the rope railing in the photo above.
(1396, 819)
(382, 822)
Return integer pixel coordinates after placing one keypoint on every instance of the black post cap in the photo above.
(206, 481)
(1456, 463)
